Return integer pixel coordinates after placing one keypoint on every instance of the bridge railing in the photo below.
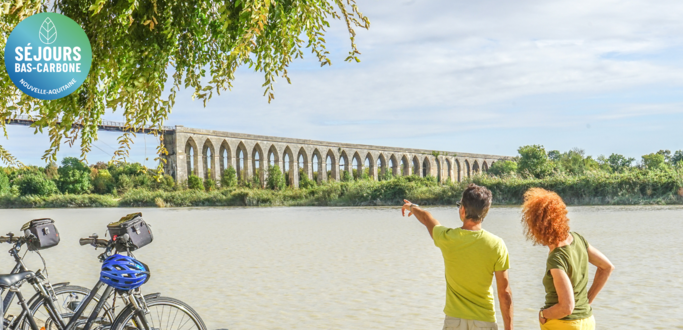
(106, 124)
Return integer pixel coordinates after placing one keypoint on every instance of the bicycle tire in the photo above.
(158, 308)
(69, 298)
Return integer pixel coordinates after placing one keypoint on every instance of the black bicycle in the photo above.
(148, 312)
(66, 298)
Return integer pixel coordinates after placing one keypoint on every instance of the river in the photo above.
(362, 268)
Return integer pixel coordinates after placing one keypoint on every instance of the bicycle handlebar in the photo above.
(103, 243)
(13, 239)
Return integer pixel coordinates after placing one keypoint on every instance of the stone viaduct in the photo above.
(208, 153)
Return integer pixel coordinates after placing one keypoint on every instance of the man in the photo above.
(471, 256)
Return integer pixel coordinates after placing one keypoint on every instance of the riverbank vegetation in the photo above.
(581, 180)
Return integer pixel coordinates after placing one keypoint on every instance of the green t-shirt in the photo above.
(470, 258)
(573, 259)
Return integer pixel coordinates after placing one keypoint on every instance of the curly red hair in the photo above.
(544, 216)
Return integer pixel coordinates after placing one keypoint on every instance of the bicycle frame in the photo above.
(19, 267)
(42, 292)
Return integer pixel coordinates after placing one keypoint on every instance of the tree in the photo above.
(276, 180)
(619, 163)
(533, 160)
(200, 44)
(554, 155)
(74, 176)
(654, 161)
(35, 184)
(677, 157)
(503, 167)
(229, 178)
(104, 183)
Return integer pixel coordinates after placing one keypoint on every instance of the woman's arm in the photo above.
(565, 296)
(605, 269)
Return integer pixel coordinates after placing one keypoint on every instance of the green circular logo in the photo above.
(48, 56)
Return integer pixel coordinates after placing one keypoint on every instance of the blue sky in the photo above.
(485, 77)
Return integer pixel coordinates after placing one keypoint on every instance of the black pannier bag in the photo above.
(41, 234)
(137, 229)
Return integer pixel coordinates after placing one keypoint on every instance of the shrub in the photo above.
(256, 179)
(167, 182)
(229, 178)
(123, 183)
(503, 167)
(346, 176)
(209, 185)
(104, 183)
(194, 182)
(35, 184)
(74, 176)
(304, 181)
(4, 183)
(276, 180)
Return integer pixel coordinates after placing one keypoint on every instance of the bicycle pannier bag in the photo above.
(41, 234)
(137, 229)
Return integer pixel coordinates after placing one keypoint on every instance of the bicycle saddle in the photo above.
(12, 279)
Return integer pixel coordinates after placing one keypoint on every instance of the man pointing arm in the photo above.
(472, 256)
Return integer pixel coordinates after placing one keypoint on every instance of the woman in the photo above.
(567, 300)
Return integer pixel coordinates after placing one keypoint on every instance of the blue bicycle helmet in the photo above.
(123, 272)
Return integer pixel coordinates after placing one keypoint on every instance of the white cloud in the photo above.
(433, 71)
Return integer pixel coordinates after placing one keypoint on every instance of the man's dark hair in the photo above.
(476, 200)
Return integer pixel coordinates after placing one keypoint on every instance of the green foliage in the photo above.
(256, 179)
(195, 183)
(209, 185)
(387, 175)
(346, 176)
(4, 183)
(503, 167)
(167, 182)
(204, 42)
(124, 183)
(619, 163)
(276, 179)
(52, 171)
(74, 176)
(534, 161)
(229, 178)
(36, 184)
(304, 181)
(654, 161)
(677, 157)
(103, 183)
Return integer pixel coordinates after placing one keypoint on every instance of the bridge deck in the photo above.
(106, 125)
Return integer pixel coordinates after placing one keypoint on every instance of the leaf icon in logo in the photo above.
(48, 31)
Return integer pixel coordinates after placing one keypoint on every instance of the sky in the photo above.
(465, 76)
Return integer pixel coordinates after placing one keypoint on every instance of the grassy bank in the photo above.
(632, 188)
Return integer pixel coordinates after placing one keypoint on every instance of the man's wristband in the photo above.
(411, 206)
(540, 313)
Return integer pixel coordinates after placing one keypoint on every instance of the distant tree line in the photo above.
(533, 161)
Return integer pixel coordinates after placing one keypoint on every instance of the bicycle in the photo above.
(68, 297)
(138, 311)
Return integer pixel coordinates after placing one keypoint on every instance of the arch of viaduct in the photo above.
(207, 153)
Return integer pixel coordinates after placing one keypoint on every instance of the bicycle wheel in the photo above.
(164, 313)
(68, 300)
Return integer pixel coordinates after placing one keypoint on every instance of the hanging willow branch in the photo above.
(145, 51)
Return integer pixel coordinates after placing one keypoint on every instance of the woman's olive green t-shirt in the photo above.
(573, 259)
